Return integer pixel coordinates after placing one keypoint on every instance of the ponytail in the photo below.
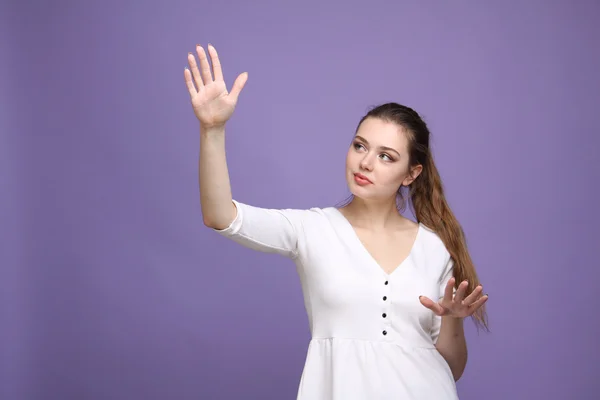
(432, 209)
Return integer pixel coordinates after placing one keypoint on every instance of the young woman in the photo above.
(386, 297)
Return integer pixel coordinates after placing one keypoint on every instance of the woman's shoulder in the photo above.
(432, 240)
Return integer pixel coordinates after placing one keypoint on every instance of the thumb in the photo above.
(430, 304)
(238, 85)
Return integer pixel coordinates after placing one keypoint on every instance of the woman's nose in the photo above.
(366, 163)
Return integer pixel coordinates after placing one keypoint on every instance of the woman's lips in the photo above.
(362, 180)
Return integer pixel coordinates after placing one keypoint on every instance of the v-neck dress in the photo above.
(371, 338)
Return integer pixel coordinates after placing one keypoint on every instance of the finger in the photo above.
(449, 292)
(432, 305)
(187, 76)
(460, 292)
(216, 63)
(481, 301)
(204, 66)
(195, 72)
(475, 294)
(238, 85)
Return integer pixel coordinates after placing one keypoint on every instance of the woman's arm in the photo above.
(452, 345)
(448, 333)
(218, 210)
(213, 105)
(449, 313)
(273, 231)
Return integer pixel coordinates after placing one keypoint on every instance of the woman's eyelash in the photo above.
(358, 145)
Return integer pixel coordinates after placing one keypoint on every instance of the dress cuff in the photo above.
(235, 225)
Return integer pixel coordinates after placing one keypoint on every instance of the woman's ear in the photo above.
(414, 173)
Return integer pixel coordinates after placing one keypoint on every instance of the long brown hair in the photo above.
(426, 196)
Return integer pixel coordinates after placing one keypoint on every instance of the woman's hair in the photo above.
(426, 195)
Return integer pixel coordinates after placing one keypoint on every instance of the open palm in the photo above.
(456, 304)
(213, 105)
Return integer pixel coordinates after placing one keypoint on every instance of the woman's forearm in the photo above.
(452, 345)
(215, 189)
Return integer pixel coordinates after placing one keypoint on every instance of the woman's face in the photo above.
(377, 161)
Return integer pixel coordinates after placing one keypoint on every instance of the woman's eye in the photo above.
(388, 157)
(357, 146)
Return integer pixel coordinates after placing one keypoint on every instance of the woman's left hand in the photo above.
(456, 304)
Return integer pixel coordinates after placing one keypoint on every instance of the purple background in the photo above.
(112, 288)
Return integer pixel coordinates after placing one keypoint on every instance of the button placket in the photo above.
(385, 314)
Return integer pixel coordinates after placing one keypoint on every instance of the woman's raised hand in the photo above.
(213, 105)
(456, 305)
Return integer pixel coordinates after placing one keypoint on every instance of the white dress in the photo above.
(371, 338)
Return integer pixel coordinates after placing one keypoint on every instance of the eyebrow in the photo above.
(362, 139)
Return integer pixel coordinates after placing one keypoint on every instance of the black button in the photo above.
(386, 282)
(384, 298)
(384, 332)
(384, 315)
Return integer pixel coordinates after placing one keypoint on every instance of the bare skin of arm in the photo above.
(213, 105)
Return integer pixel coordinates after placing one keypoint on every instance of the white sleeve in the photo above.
(445, 277)
(265, 230)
